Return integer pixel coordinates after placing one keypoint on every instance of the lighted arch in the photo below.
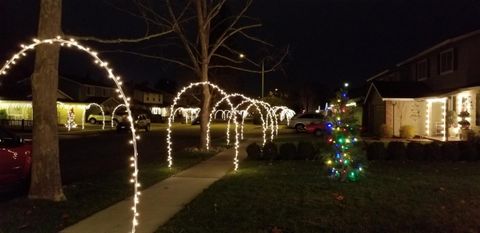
(252, 103)
(114, 110)
(171, 117)
(88, 107)
(71, 43)
(285, 113)
(219, 111)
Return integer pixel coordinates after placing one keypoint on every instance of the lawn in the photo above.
(296, 196)
(85, 197)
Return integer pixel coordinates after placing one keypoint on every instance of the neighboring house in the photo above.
(150, 100)
(85, 88)
(422, 90)
(72, 94)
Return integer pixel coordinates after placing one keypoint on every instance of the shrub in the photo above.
(407, 131)
(3, 114)
(396, 151)
(253, 151)
(385, 131)
(270, 151)
(468, 151)
(305, 150)
(450, 151)
(287, 151)
(433, 151)
(257, 119)
(415, 151)
(376, 151)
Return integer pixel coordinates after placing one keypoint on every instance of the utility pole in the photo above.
(263, 78)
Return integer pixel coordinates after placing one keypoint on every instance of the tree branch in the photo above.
(216, 46)
(181, 63)
(121, 40)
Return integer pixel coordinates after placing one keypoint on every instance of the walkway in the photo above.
(161, 201)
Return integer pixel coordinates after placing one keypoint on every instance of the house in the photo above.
(72, 94)
(151, 101)
(437, 91)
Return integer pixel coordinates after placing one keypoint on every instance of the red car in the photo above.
(318, 128)
(15, 159)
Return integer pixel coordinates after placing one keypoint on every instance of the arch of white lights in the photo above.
(88, 107)
(71, 43)
(244, 114)
(115, 110)
(188, 113)
(285, 113)
(171, 118)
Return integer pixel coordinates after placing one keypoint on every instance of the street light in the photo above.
(242, 56)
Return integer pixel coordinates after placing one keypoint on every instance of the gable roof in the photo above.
(399, 90)
(426, 51)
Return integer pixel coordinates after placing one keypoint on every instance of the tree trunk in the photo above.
(46, 182)
(204, 34)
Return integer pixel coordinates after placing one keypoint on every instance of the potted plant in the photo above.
(464, 124)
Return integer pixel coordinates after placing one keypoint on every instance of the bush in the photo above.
(254, 152)
(385, 131)
(3, 114)
(450, 151)
(306, 150)
(287, 151)
(433, 152)
(270, 151)
(376, 151)
(415, 151)
(396, 151)
(257, 119)
(468, 151)
(407, 131)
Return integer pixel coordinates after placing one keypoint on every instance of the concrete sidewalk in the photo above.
(161, 201)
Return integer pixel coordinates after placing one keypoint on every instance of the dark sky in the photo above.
(330, 40)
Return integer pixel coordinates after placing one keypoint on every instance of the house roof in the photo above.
(439, 45)
(87, 81)
(426, 51)
(400, 90)
(98, 100)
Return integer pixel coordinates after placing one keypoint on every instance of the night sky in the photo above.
(330, 40)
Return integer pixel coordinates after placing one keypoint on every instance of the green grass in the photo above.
(85, 198)
(296, 196)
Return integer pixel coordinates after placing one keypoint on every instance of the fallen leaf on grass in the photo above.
(338, 197)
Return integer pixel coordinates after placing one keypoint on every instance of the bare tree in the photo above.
(202, 34)
(46, 180)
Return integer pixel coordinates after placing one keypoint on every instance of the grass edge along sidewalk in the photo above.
(163, 200)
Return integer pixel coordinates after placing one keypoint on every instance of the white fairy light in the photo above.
(172, 117)
(88, 107)
(285, 113)
(115, 110)
(244, 114)
(235, 111)
(71, 43)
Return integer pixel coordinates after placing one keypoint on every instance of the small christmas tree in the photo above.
(71, 120)
(343, 164)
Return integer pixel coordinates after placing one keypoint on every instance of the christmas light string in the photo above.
(71, 43)
(172, 116)
(115, 110)
(88, 107)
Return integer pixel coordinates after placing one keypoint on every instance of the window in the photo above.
(446, 61)
(422, 70)
(90, 91)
